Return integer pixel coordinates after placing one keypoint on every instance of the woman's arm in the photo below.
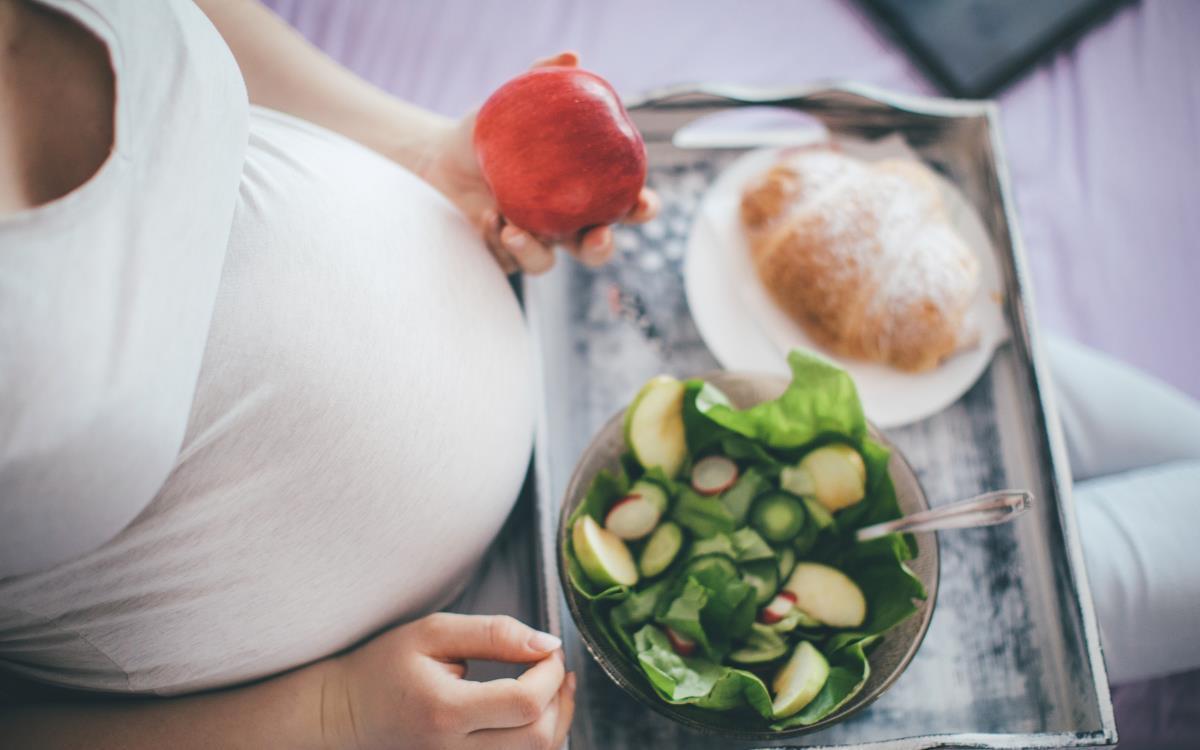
(404, 689)
(284, 72)
(287, 711)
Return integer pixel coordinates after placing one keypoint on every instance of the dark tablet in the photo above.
(973, 47)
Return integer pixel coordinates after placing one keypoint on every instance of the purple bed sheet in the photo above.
(1103, 143)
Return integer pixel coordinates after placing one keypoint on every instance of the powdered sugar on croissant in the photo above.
(863, 255)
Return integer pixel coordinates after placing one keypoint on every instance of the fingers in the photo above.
(566, 59)
(529, 253)
(645, 209)
(513, 703)
(595, 247)
(491, 637)
(515, 249)
(547, 732)
(490, 225)
(566, 711)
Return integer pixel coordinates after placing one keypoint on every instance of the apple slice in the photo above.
(799, 681)
(778, 609)
(683, 645)
(834, 474)
(827, 595)
(654, 425)
(602, 555)
(713, 475)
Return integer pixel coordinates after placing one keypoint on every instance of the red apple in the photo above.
(559, 152)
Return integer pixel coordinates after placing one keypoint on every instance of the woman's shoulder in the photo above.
(57, 103)
(131, 122)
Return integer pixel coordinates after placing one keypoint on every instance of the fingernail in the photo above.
(514, 240)
(571, 681)
(600, 238)
(594, 256)
(544, 642)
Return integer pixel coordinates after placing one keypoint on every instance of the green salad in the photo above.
(721, 557)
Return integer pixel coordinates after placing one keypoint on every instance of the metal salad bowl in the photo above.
(887, 659)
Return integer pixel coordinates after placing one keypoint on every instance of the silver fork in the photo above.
(987, 509)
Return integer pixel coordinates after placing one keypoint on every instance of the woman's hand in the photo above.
(454, 170)
(408, 689)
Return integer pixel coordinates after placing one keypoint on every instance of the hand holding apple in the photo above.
(559, 151)
(456, 170)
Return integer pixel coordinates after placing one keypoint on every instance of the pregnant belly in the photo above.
(360, 429)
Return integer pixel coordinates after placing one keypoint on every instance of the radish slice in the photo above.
(633, 517)
(713, 475)
(778, 609)
(683, 645)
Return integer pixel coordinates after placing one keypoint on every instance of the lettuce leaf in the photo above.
(738, 498)
(749, 546)
(821, 400)
(735, 688)
(714, 607)
(683, 615)
(677, 678)
(703, 516)
(742, 546)
(637, 609)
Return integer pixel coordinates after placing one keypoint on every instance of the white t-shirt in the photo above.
(349, 364)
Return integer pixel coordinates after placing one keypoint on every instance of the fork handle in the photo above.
(987, 509)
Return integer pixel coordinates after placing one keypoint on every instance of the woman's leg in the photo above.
(1134, 446)
(1116, 418)
(1141, 539)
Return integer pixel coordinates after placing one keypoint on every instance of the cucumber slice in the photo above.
(654, 425)
(828, 595)
(602, 555)
(763, 577)
(738, 498)
(652, 492)
(787, 561)
(777, 516)
(799, 681)
(762, 645)
(719, 566)
(661, 549)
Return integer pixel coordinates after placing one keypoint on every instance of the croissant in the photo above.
(862, 255)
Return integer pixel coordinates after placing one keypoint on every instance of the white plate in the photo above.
(746, 330)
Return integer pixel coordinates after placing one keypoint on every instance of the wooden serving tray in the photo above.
(1012, 657)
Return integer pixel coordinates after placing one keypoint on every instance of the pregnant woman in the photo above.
(264, 394)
